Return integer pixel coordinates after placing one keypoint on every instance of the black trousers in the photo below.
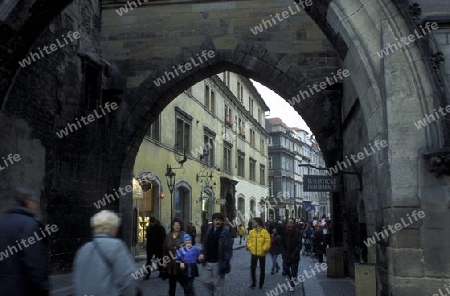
(189, 286)
(150, 253)
(262, 269)
(320, 257)
(173, 283)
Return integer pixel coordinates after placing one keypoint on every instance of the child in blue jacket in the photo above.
(188, 257)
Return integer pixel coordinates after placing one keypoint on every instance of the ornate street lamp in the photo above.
(170, 178)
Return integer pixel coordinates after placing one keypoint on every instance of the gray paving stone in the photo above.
(321, 285)
(238, 281)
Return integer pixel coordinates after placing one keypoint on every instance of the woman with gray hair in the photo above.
(104, 265)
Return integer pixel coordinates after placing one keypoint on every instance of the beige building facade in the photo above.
(212, 138)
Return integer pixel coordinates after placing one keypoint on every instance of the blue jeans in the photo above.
(274, 262)
(291, 270)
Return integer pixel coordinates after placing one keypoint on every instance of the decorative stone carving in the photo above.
(439, 161)
(416, 12)
(436, 60)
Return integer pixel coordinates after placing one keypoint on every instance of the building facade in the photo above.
(246, 116)
(211, 138)
(292, 152)
(310, 162)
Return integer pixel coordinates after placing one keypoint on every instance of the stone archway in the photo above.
(380, 100)
(368, 107)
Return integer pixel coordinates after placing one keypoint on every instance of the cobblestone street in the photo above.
(236, 283)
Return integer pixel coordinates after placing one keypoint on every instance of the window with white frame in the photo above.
(262, 147)
(227, 156)
(208, 142)
(252, 138)
(252, 169)
(240, 92)
(182, 131)
(228, 115)
(210, 99)
(154, 131)
(262, 174)
(241, 126)
(241, 164)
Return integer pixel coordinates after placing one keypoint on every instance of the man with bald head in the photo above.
(23, 265)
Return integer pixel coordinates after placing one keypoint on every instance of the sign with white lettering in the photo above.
(314, 183)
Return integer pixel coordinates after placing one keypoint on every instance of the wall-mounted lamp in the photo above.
(170, 178)
(145, 180)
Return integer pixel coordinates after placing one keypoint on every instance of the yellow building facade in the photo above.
(212, 138)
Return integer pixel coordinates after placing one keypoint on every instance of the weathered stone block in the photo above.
(365, 280)
(406, 262)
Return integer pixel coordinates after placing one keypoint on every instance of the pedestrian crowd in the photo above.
(104, 265)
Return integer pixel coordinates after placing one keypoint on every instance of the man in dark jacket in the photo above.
(216, 255)
(23, 266)
(192, 231)
(291, 244)
(320, 244)
(275, 250)
(309, 237)
(155, 239)
(204, 229)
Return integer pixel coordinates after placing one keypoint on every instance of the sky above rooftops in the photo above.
(280, 108)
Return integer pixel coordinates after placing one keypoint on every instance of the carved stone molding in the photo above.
(438, 161)
(436, 60)
(416, 12)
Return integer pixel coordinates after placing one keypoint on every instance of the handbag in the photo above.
(110, 265)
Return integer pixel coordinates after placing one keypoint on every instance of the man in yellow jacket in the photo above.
(241, 233)
(258, 243)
